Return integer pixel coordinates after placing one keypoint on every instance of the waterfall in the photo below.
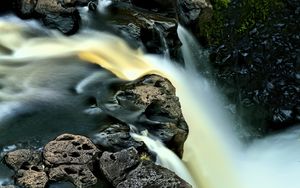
(165, 157)
(213, 154)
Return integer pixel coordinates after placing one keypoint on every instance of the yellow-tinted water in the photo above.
(205, 155)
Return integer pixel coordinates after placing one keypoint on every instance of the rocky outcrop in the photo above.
(148, 103)
(75, 159)
(126, 169)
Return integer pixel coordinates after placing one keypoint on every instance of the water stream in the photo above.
(213, 155)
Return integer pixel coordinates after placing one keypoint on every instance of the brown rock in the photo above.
(157, 96)
(23, 159)
(69, 149)
(79, 175)
(32, 178)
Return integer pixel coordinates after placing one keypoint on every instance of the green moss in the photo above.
(213, 30)
(253, 11)
(220, 4)
(244, 15)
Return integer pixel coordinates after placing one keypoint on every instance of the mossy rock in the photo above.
(233, 19)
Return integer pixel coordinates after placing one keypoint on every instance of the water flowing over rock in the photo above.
(126, 169)
(82, 165)
(149, 103)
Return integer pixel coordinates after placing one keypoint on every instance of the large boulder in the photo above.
(149, 103)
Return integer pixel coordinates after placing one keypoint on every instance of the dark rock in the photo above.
(150, 103)
(69, 149)
(260, 73)
(115, 138)
(79, 175)
(190, 11)
(115, 166)
(24, 8)
(66, 23)
(55, 14)
(23, 159)
(126, 169)
(147, 174)
(156, 31)
(32, 178)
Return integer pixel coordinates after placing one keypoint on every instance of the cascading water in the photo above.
(213, 155)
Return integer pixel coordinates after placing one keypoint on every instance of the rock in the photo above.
(116, 137)
(161, 114)
(69, 149)
(79, 175)
(190, 11)
(167, 6)
(147, 174)
(126, 169)
(23, 159)
(55, 14)
(115, 166)
(70, 158)
(155, 31)
(262, 58)
(32, 178)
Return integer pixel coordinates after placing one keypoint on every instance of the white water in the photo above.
(165, 157)
(213, 154)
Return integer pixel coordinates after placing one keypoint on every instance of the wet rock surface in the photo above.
(149, 103)
(117, 137)
(126, 169)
